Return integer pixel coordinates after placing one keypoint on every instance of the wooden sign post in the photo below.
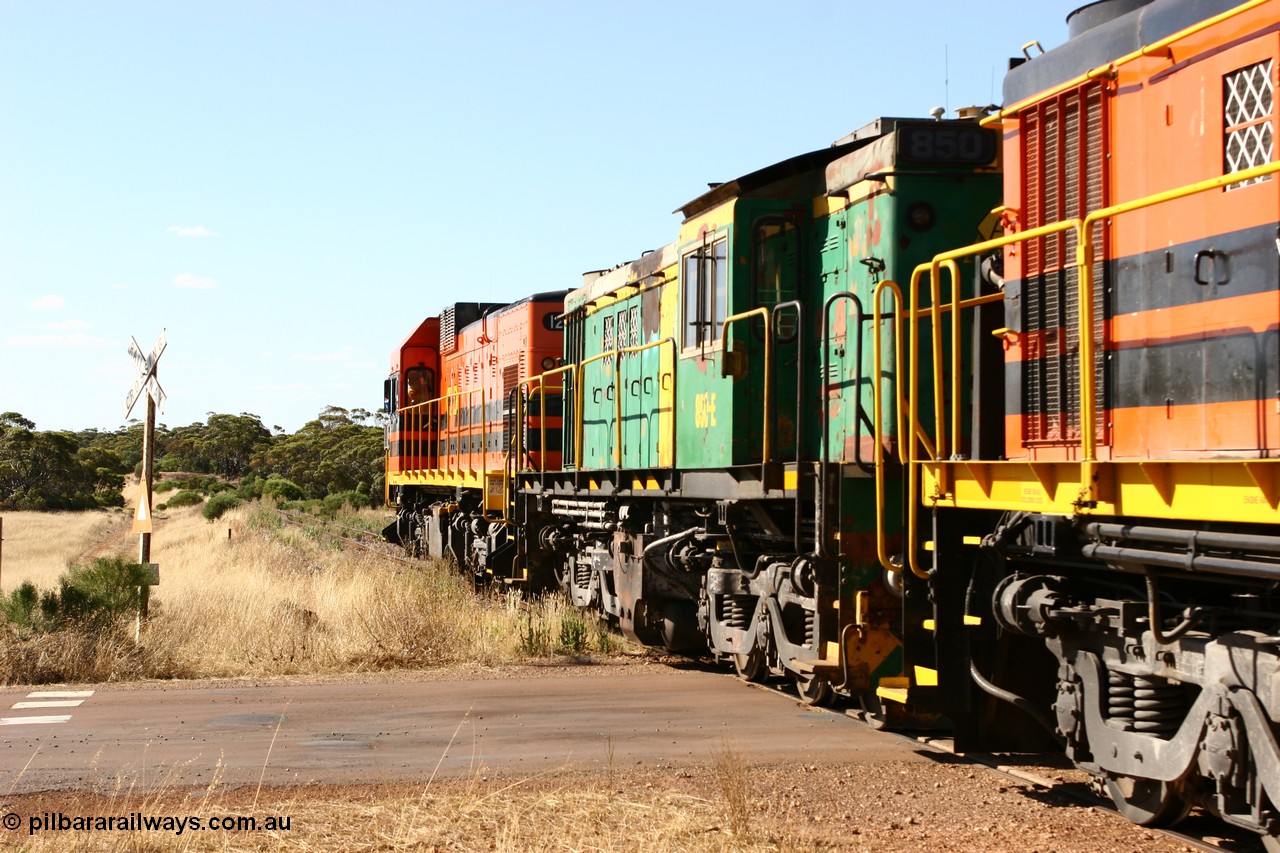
(148, 383)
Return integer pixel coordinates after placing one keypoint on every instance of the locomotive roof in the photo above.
(600, 283)
(813, 162)
(496, 309)
(1096, 44)
(816, 166)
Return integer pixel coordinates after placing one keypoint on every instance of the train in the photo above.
(967, 422)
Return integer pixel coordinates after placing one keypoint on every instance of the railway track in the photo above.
(1053, 777)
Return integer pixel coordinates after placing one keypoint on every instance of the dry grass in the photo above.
(732, 777)
(517, 815)
(247, 595)
(39, 546)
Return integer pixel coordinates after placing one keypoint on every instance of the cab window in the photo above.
(705, 273)
(420, 385)
(775, 267)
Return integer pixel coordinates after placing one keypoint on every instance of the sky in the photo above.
(288, 188)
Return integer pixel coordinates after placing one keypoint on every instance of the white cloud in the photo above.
(47, 303)
(73, 341)
(192, 231)
(193, 282)
(344, 354)
(67, 325)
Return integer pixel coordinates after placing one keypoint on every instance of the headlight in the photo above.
(920, 216)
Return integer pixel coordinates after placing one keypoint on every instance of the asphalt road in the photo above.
(402, 728)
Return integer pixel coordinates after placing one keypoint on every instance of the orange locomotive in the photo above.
(452, 416)
(1105, 540)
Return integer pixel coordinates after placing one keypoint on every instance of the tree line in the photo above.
(340, 451)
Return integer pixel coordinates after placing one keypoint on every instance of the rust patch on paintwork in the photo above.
(858, 547)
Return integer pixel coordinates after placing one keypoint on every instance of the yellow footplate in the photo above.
(893, 689)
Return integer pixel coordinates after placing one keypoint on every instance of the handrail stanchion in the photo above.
(882, 546)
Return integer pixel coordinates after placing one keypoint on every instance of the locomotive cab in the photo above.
(410, 437)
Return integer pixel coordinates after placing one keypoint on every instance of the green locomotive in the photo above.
(721, 486)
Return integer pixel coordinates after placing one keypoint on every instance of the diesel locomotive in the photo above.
(964, 421)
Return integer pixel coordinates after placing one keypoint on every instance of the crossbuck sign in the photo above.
(146, 380)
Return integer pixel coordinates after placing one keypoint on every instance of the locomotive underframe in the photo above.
(725, 562)
(1167, 682)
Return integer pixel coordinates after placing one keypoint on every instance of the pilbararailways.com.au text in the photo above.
(139, 822)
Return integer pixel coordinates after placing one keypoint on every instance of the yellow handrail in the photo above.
(526, 385)
(438, 403)
(1085, 250)
(882, 547)
(762, 311)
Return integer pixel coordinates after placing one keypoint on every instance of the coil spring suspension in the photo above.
(736, 610)
(581, 573)
(1152, 706)
(810, 628)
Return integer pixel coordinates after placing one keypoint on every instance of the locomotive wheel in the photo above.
(813, 689)
(874, 713)
(1147, 802)
(750, 666)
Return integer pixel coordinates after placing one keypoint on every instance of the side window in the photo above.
(706, 293)
(1248, 99)
(390, 401)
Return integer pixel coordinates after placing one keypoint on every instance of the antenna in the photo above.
(946, 76)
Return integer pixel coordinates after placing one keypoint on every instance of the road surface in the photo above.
(410, 728)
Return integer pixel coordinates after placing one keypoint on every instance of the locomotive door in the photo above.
(775, 284)
(708, 434)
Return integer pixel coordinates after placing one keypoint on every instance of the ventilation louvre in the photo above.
(1065, 154)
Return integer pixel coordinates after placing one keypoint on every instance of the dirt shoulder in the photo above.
(948, 806)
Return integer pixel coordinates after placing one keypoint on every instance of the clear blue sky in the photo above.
(288, 187)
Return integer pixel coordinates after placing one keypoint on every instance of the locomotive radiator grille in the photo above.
(1065, 152)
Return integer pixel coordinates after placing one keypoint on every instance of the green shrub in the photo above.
(219, 504)
(186, 497)
(205, 484)
(250, 488)
(333, 504)
(96, 593)
(22, 605)
(105, 588)
(281, 489)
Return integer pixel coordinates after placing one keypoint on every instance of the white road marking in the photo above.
(47, 699)
(33, 721)
(60, 694)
